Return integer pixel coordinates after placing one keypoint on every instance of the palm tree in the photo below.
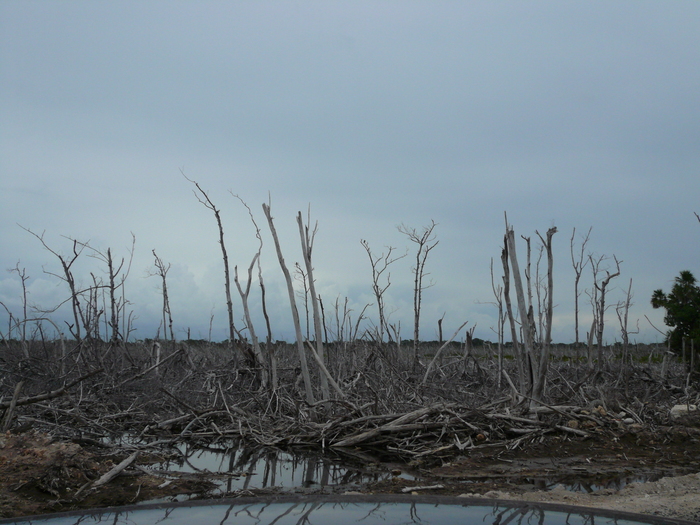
(682, 309)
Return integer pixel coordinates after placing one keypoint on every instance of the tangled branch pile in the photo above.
(382, 405)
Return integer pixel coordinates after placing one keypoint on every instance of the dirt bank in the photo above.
(39, 475)
(638, 471)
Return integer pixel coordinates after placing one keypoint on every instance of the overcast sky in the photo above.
(375, 114)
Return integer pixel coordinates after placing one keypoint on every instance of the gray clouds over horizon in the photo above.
(577, 114)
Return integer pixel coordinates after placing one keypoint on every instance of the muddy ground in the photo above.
(637, 470)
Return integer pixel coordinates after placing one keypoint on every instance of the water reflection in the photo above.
(242, 468)
(344, 511)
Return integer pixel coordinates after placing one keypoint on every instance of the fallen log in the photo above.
(52, 394)
(109, 476)
(428, 487)
(397, 425)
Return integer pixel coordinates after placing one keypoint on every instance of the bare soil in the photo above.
(656, 473)
(39, 475)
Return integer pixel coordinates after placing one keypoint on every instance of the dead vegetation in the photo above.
(122, 400)
(365, 394)
(381, 402)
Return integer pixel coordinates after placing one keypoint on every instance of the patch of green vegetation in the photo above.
(645, 359)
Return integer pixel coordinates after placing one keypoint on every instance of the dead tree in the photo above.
(500, 327)
(380, 264)
(525, 314)
(439, 322)
(114, 319)
(295, 312)
(344, 322)
(534, 354)
(115, 285)
(528, 280)
(520, 354)
(162, 272)
(69, 278)
(269, 347)
(578, 264)
(125, 312)
(300, 275)
(204, 199)
(425, 240)
(22, 273)
(257, 356)
(598, 300)
(323, 319)
(546, 341)
(430, 366)
(622, 310)
(307, 244)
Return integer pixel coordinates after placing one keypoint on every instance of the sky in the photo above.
(367, 115)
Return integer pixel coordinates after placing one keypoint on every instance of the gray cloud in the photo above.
(566, 114)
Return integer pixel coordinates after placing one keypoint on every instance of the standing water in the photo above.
(236, 468)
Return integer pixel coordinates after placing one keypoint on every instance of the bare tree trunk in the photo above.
(271, 353)
(424, 240)
(546, 343)
(114, 321)
(535, 357)
(692, 355)
(295, 313)
(258, 356)
(203, 198)
(600, 305)
(162, 272)
(66, 264)
(525, 315)
(75, 301)
(578, 266)
(590, 337)
(125, 314)
(622, 311)
(323, 320)
(23, 326)
(257, 352)
(303, 278)
(519, 354)
(307, 244)
(528, 274)
(498, 295)
(380, 264)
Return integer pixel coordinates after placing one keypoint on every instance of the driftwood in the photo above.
(108, 476)
(379, 407)
(397, 425)
(428, 487)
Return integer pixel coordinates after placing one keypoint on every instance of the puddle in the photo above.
(345, 511)
(241, 468)
(235, 467)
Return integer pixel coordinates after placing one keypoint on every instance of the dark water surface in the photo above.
(237, 467)
(340, 510)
